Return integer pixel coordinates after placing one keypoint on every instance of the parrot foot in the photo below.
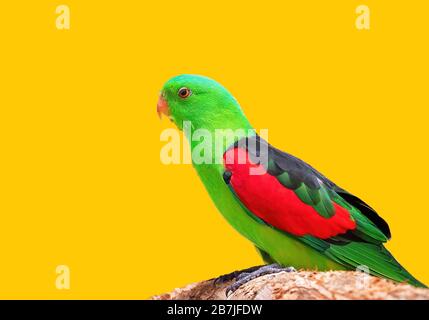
(245, 277)
(233, 275)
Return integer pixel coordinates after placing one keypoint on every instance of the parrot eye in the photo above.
(184, 92)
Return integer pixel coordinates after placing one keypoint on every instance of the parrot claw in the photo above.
(233, 275)
(244, 277)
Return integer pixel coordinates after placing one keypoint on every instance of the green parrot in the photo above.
(293, 214)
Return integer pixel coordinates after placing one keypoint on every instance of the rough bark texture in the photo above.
(333, 285)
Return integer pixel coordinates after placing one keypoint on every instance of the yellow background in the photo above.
(81, 182)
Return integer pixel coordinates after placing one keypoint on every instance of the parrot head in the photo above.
(201, 101)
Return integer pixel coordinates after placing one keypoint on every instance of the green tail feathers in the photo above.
(353, 255)
(377, 258)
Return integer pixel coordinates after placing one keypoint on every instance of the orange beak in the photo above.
(162, 107)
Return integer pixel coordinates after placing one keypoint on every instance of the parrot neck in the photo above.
(224, 115)
(214, 136)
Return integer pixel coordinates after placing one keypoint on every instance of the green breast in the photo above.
(283, 248)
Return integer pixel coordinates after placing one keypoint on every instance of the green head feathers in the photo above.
(202, 101)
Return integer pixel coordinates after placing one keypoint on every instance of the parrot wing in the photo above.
(285, 193)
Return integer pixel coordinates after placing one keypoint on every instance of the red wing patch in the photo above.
(279, 206)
